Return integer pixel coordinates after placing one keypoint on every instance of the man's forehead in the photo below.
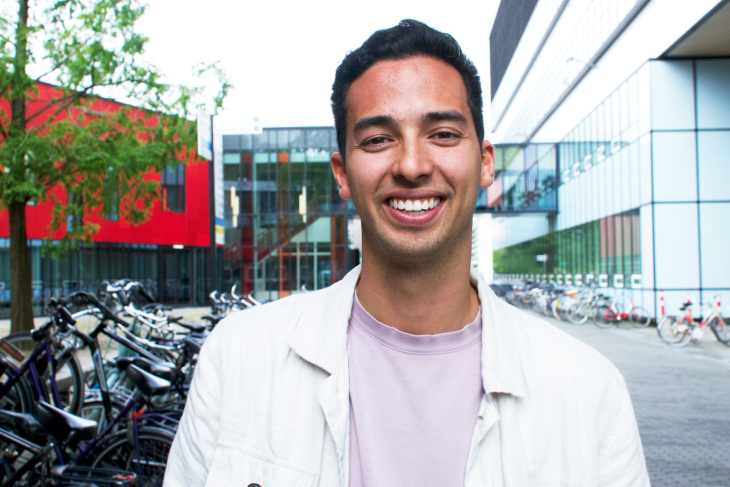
(406, 87)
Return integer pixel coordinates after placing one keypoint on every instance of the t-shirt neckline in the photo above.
(391, 337)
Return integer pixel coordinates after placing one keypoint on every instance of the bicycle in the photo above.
(606, 313)
(579, 311)
(24, 461)
(680, 330)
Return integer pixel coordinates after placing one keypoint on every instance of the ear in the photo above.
(487, 177)
(340, 173)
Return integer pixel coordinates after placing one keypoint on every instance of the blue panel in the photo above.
(675, 166)
(677, 246)
(714, 239)
(713, 93)
(714, 153)
(672, 95)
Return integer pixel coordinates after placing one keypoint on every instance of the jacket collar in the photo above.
(320, 336)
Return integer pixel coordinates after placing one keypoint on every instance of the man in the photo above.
(409, 371)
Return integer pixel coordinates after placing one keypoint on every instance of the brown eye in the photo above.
(376, 141)
(444, 135)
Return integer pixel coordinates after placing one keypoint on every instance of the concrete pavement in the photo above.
(681, 398)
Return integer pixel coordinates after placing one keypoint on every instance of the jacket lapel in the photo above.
(502, 370)
(320, 338)
(334, 397)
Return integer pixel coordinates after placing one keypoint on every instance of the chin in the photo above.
(413, 250)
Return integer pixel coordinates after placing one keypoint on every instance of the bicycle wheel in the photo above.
(639, 318)
(673, 331)
(721, 330)
(154, 447)
(575, 314)
(94, 410)
(554, 309)
(599, 317)
(19, 398)
(69, 374)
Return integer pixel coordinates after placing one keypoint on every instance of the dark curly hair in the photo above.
(408, 39)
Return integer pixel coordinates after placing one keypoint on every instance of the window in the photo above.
(173, 188)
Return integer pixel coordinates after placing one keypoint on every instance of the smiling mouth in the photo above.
(414, 207)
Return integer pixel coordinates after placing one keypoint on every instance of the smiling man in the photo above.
(408, 372)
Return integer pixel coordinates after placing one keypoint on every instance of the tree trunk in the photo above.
(21, 305)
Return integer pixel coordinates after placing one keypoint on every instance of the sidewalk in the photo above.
(708, 346)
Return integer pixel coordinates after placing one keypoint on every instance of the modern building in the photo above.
(286, 227)
(168, 253)
(632, 100)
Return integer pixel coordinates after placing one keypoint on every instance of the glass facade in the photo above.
(611, 245)
(641, 191)
(595, 25)
(285, 225)
(525, 179)
(171, 275)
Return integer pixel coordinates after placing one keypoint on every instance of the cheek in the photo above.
(457, 169)
(365, 175)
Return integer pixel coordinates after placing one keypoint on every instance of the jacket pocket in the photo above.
(238, 465)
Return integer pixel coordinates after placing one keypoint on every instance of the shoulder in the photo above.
(266, 324)
(553, 360)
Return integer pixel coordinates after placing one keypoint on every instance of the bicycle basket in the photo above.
(72, 475)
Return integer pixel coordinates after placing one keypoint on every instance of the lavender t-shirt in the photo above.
(414, 401)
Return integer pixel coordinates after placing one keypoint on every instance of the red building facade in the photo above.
(168, 252)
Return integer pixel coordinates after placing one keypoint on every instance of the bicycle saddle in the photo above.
(149, 384)
(190, 326)
(23, 421)
(163, 371)
(193, 345)
(213, 318)
(685, 306)
(65, 427)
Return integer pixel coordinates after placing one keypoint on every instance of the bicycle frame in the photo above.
(36, 380)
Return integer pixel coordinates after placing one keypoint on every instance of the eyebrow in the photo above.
(376, 121)
(390, 121)
(443, 116)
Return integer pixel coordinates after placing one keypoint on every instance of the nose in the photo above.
(413, 161)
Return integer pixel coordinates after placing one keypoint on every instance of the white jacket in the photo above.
(269, 404)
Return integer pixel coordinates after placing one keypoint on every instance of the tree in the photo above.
(55, 144)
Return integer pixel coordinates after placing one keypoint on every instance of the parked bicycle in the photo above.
(680, 330)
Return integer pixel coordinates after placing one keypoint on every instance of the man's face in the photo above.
(413, 161)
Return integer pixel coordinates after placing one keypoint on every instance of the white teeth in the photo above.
(414, 207)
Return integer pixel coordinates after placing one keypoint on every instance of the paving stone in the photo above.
(682, 402)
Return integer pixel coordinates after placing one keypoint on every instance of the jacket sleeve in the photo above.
(195, 442)
(621, 456)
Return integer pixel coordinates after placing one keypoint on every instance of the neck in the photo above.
(423, 298)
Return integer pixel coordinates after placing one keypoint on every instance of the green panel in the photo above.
(318, 155)
(231, 158)
(297, 155)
